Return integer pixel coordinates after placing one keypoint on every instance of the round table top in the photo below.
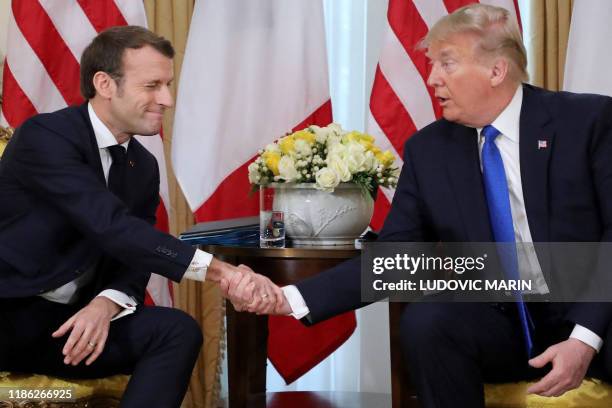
(326, 252)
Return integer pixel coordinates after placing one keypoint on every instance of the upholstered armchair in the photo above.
(5, 135)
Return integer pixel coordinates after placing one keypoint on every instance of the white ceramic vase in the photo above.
(314, 217)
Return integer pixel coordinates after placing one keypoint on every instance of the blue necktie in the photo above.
(500, 215)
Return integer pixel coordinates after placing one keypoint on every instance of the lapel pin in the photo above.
(542, 144)
(131, 163)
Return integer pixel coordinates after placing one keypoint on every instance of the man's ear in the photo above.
(499, 71)
(104, 84)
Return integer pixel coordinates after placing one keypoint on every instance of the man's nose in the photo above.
(433, 79)
(164, 97)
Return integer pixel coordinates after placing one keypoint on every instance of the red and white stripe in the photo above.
(41, 73)
(401, 102)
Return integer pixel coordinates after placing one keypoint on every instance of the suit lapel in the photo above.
(536, 143)
(95, 151)
(463, 166)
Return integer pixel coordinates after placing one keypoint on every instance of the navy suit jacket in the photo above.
(57, 216)
(567, 189)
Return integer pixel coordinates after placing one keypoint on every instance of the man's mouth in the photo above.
(442, 100)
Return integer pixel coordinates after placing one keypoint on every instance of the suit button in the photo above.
(77, 272)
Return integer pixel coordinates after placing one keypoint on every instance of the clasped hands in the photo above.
(254, 293)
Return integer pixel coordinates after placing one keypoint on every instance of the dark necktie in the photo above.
(116, 173)
(500, 215)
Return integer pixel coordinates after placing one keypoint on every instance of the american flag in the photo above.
(41, 73)
(401, 102)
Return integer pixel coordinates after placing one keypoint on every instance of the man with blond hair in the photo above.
(510, 163)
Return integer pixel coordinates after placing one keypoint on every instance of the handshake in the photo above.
(249, 291)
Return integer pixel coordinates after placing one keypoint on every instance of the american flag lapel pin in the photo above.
(542, 144)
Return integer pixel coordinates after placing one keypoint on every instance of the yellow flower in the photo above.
(375, 150)
(364, 139)
(304, 135)
(272, 159)
(286, 144)
(386, 158)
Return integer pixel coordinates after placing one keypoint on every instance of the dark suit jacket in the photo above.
(57, 216)
(567, 189)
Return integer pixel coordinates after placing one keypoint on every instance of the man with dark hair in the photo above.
(106, 51)
(77, 242)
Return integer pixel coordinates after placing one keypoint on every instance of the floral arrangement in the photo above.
(326, 156)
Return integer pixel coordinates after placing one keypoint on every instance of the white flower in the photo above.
(371, 162)
(273, 147)
(337, 149)
(326, 179)
(339, 166)
(286, 169)
(254, 175)
(333, 139)
(355, 157)
(320, 133)
(335, 128)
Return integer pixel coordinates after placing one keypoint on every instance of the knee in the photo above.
(182, 328)
(189, 330)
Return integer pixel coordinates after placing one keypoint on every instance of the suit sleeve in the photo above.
(53, 168)
(596, 316)
(338, 290)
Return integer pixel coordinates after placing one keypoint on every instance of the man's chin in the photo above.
(449, 115)
(149, 132)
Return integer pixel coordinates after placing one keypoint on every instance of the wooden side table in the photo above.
(247, 334)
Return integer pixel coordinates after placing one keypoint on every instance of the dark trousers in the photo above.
(158, 346)
(453, 348)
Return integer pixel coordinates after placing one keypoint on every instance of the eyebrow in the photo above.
(443, 54)
(157, 81)
(447, 53)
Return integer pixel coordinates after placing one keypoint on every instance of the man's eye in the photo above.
(151, 86)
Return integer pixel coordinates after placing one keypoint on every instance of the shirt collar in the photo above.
(508, 121)
(104, 137)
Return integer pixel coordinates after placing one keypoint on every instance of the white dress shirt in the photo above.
(68, 293)
(508, 124)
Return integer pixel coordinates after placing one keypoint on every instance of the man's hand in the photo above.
(252, 292)
(89, 328)
(570, 360)
(223, 273)
(283, 308)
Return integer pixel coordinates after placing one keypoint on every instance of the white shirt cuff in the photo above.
(587, 336)
(198, 266)
(128, 303)
(296, 301)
